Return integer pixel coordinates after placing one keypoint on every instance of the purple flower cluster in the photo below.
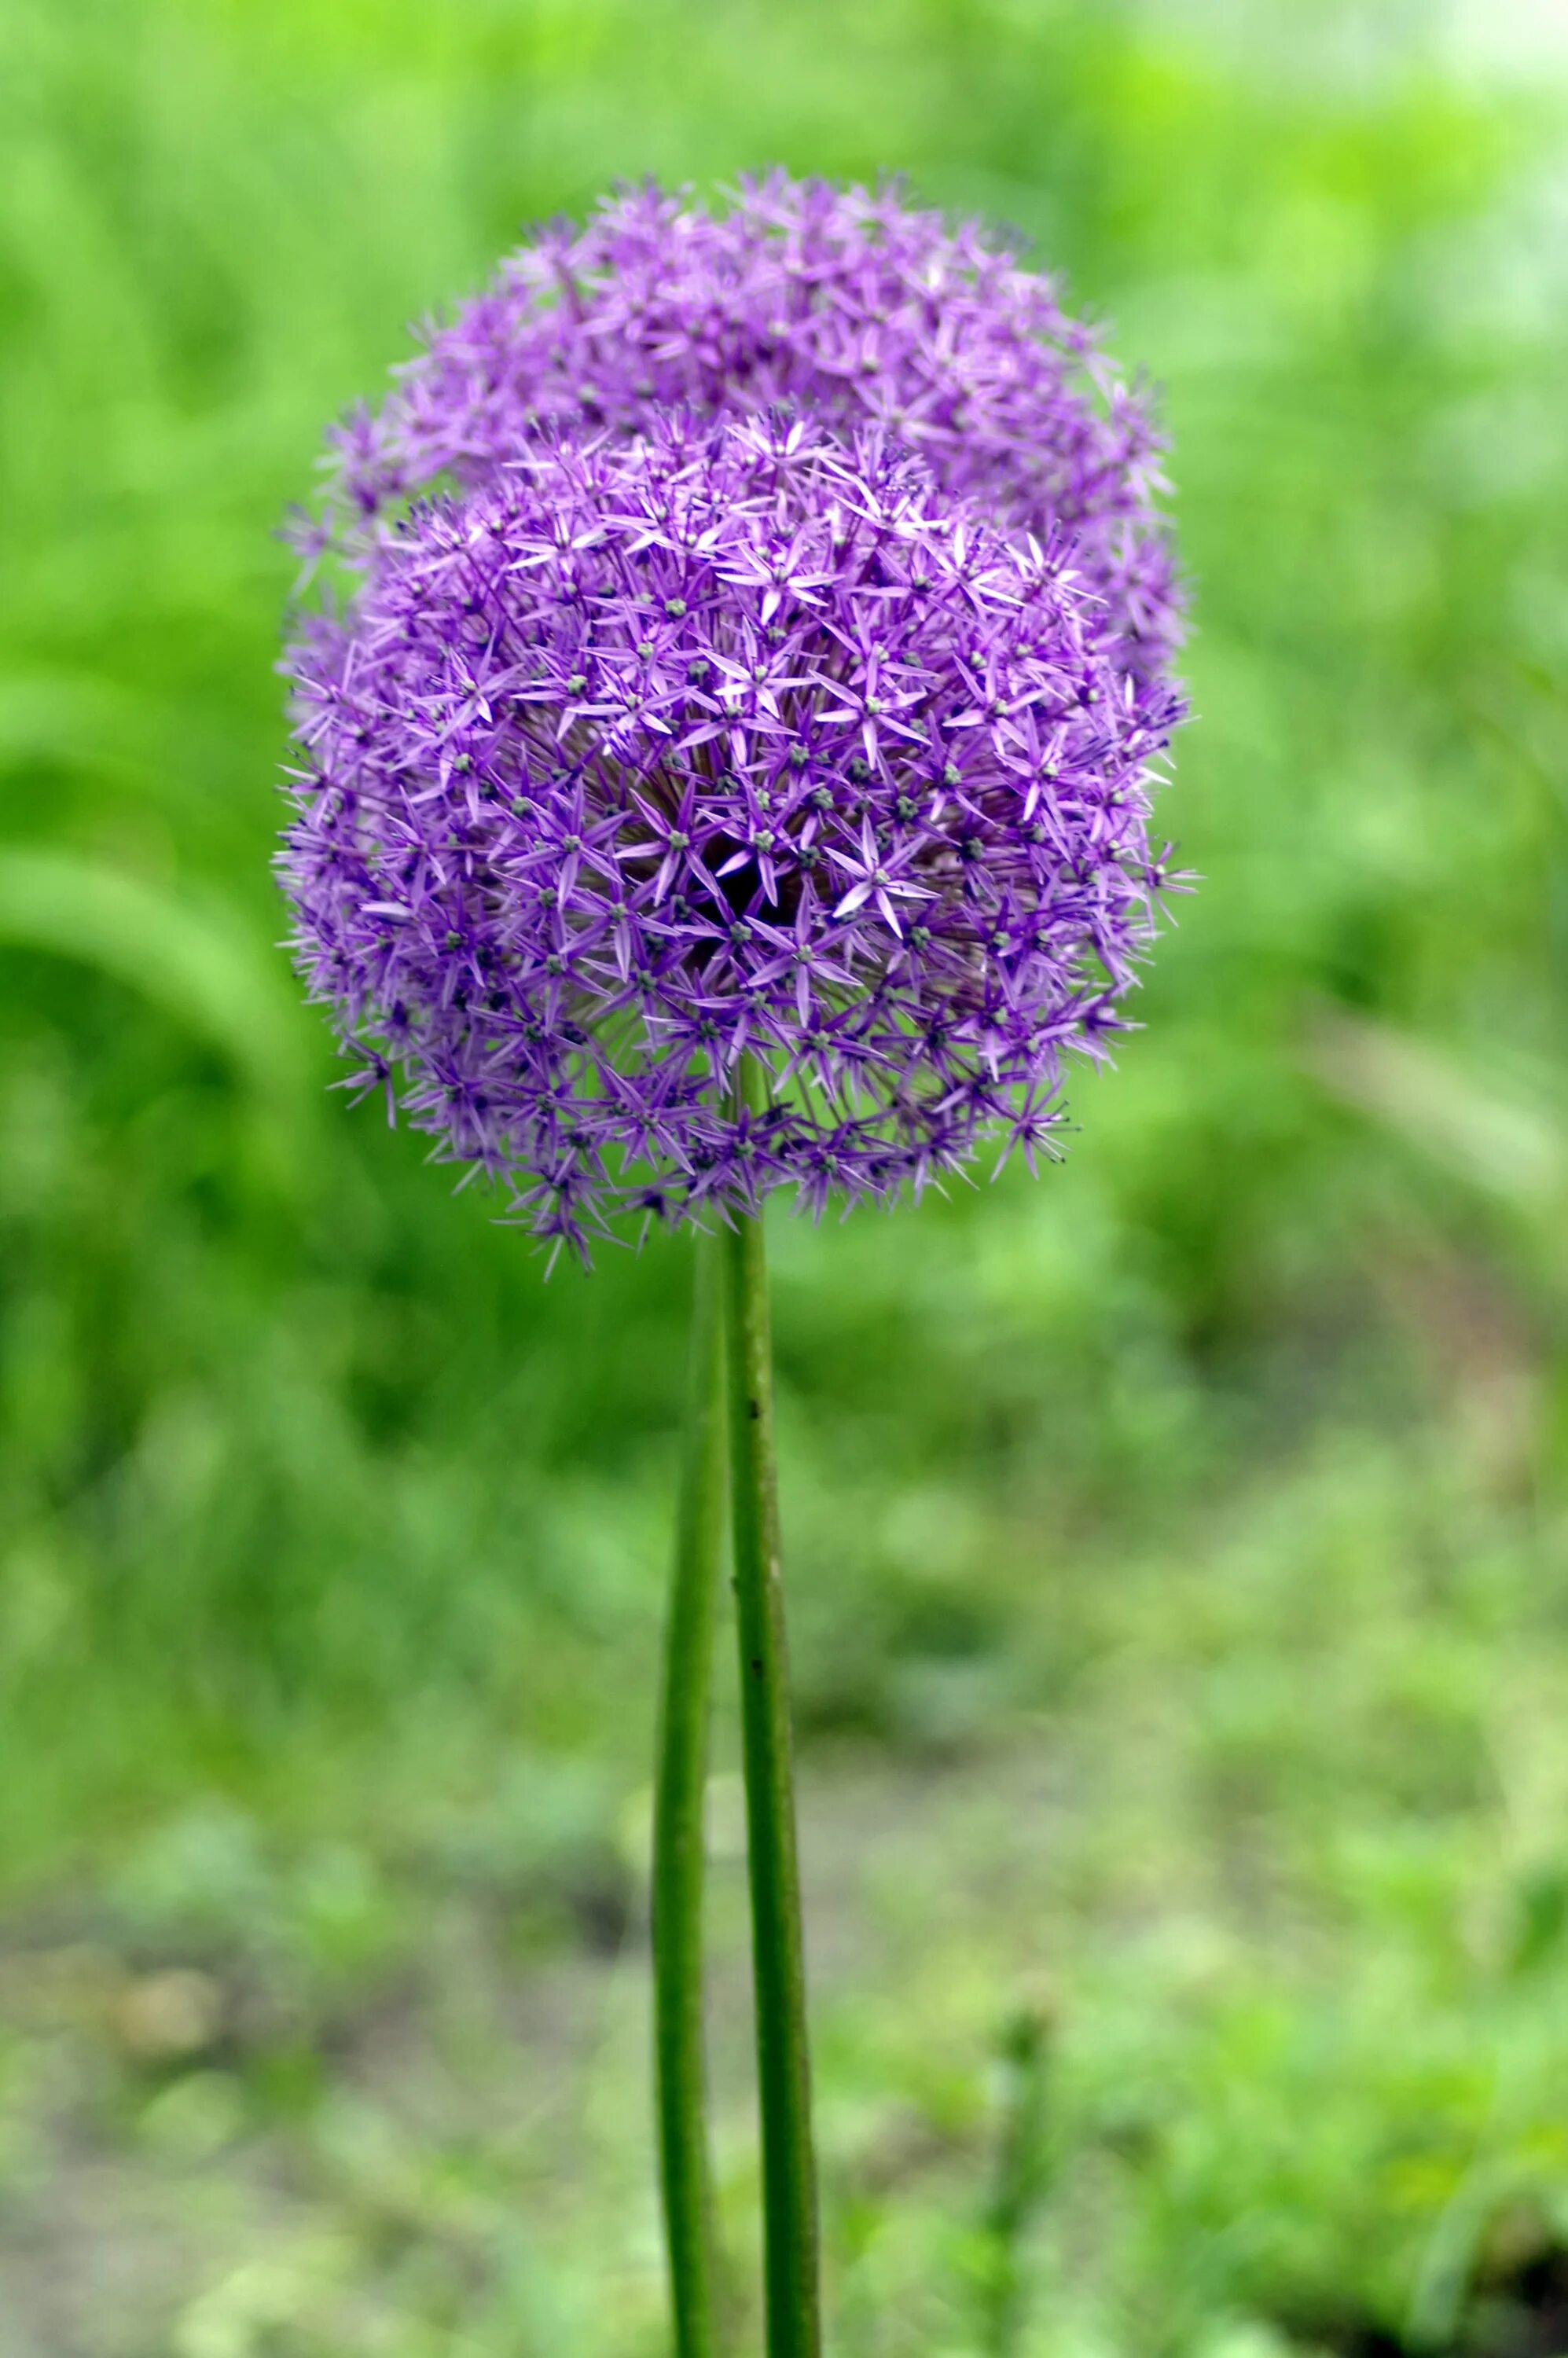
(690, 730)
(848, 303)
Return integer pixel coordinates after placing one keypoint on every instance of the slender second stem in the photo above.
(1022, 2174)
(678, 1847)
(789, 2177)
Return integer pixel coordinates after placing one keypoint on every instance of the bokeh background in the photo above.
(1176, 1546)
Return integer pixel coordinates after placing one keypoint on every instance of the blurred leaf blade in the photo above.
(199, 962)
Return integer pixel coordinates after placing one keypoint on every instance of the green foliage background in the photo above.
(1176, 1546)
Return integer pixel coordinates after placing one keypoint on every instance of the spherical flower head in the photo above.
(731, 741)
(850, 304)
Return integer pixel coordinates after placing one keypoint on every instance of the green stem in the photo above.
(789, 2179)
(678, 1845)
(1021, 2177)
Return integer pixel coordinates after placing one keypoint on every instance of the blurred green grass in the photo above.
(1176, 1546)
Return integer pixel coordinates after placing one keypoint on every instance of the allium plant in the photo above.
(727, 769)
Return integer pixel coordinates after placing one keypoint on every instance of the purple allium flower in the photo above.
(737, 735)
(848, 304)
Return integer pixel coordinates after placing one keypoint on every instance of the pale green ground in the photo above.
(1175, 1547)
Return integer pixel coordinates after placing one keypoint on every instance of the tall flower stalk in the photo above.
(730, 1388)
(685, 2167)
(778, 1950)
(730, 767)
